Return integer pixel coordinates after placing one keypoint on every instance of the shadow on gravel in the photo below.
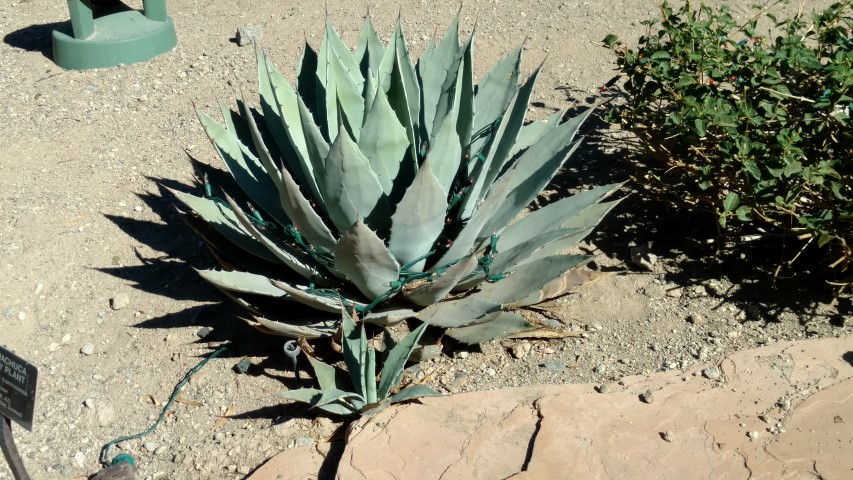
(35, 38)
(687, 241)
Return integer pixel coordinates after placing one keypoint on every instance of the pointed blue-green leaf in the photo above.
(434, 68)
(308, 328)
(340, 76)
(507, 259)
(225, 222)
(227, 116)
(327, 376)
(555, 215)
(245, 168)
(370, 374)
(363, 258)
(492, 326)
(494, 93)
(446, 152)
(458, 313)
(419, 218)
(413, 392)
(311, 91)
(430, 293)
(352, 189)
(369, 52)
(464, 241)
(383, 141)
(315, 144)
(527, 278)
(261, 149)
(507, 133)
(303, 215)
(354, 349)
(592, 215)
(335, 395)
(241, 282)
(369, 94)
(388, 316)
(392, 371)
(534, 131)
(297, 155)
(297, 260)
(465, 95)
(305, 296)
(312, 396)
(540, 172)
(398, 80)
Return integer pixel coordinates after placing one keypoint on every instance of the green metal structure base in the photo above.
(112, 34)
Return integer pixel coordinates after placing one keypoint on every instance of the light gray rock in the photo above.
(248, 35)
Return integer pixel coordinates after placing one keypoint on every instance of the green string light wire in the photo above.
(105, 450)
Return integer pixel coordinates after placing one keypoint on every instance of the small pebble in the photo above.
(712, 373)
(463, 354)
(22, 316)
(609, 387)
(695, 319)
(553, 365)
(491, 372)
(88, 349)
(89, 403)
(647, 397)
(203, 332)
(600, 368)
(667, 436)
(160, 450)
(521, 349)
(106, 415)
(675, 292)
(752, 435)
(119, 301)
(150, 446)
(248, 35)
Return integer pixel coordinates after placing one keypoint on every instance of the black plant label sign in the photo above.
(18, 379)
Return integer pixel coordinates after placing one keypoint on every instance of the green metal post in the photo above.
(155, 10)
(82, 18)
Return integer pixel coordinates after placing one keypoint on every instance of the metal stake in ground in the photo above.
(10, 451)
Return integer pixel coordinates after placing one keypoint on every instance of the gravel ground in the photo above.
(96, 284)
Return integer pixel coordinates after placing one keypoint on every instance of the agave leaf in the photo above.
(592, 215)
(302, 295)
(225, 222)
(419, 218)
(241, 282)
(527, 278)
(363, 258)
(312, 396)
(398, 80)
(434, 68)
(354, 345)
(297, 260)
(352, 189)
(327, 376)
(303, 215)
(495, 325)
(383, 141)
(508, 259)
(272, 108)
(457, 313)
(308, 84)
(562, 285)
(446, 152)
(494, 93)
(534, 131)
(340, 76)
(335, 395)
(374, 408)
(370, 374)
(369, 52)
(315, 144)
(434, 291)
(464, 241)
(388, 317)
(261, 149)
(245, 168)
(369, 94)
(507, 133)
(465, 95)
(413, 392)
(296, 153)
(394, 365)
(323, 328)
(556, 215)
(526, 190)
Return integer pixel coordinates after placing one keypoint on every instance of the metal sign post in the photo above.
(18, 379)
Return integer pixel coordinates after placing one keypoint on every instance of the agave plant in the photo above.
(365, 395)
(393, 189)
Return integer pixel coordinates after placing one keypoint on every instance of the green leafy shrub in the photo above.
(393, 189)
(755, 126)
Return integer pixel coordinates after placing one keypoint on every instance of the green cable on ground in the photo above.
(124, 457)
